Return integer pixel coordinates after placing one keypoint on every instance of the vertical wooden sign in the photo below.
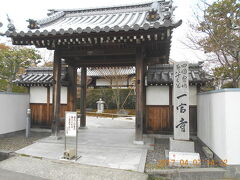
(181, 101)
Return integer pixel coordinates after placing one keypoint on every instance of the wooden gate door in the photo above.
(159, 119)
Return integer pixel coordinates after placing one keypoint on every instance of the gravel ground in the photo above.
(156, 158)
(18, 140)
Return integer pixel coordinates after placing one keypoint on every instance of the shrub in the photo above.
(107, 95)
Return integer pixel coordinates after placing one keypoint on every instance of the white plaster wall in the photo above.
(105, 82)
(192, 95)
(63, 95)
(102, 82)
(233, 126)
(121, 82)
(219, 122)
(38, 94)
(157, 95)
(13, 108)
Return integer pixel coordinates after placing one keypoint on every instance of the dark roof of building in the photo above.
(40, 76)
(162, 74)
(151, 15)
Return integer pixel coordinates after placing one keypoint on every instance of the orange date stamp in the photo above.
(164, 163)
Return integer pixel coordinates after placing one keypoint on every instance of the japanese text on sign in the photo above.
(181, 101)
(70, 123)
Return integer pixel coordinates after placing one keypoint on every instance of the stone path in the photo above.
(105, 142)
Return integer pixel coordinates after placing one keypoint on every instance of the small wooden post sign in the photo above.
(71, 130)
(71, 124)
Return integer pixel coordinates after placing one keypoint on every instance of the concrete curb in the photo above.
(190, 173)
(142, 163)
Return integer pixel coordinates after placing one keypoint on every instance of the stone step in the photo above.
(190, 173)
(208, 153)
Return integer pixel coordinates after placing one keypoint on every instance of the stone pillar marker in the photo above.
(181, 147)
(181, 101)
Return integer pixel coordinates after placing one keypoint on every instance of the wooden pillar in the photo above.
(170, 110)
(56, 94)
(83, 96)
(72, 88)
(140, 81)
(170, 95)
(48, 106)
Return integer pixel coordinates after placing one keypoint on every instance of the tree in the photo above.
(116, 77)
(12, 61)
(224, 73)
(218, 31)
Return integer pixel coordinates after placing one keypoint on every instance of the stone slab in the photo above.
(181, 146)
(106, 143)
(184, 159)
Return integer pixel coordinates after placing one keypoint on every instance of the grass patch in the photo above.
(37, 157)
(24, 155)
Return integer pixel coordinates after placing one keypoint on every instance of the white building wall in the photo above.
(13, 108)
(102, 82)
(219, 122)
(106, 82)
(63, 95)
(120, 82)
(192, 95)
(39, 95)
(157, 95)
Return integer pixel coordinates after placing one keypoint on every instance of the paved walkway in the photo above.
(105, 142)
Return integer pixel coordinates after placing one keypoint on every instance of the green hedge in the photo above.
(107, 95)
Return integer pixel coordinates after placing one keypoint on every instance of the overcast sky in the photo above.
(20, 11)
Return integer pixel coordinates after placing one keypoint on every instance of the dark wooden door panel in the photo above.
(159, 119)
(42, 117)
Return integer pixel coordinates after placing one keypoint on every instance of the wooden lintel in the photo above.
(100, 61)
(96, 52)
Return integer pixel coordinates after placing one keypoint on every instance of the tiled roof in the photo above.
(110, 71)
(39, 76)
(122, 18)
(162, 74)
